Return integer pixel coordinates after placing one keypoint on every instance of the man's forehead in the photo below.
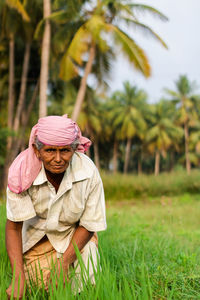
(56, 147)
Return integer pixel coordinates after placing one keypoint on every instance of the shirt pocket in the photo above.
(72, 211)
(40, 199)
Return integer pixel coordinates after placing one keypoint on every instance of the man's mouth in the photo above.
(58, 166)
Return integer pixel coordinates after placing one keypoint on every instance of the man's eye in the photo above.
(64, 150)
(50, 150)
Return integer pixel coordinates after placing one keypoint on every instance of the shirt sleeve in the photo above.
(19, 206)
(94, 216)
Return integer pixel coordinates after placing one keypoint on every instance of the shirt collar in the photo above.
(41, 178)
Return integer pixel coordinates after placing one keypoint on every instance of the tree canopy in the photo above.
(128, 132)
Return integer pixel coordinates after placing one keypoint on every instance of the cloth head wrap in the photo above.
(53, 131)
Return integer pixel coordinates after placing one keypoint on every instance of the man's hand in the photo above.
(19, 288)
(61, 269)
(80, 238)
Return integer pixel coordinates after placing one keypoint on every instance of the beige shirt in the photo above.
(79, 200)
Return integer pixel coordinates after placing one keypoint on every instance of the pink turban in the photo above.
(51, 130)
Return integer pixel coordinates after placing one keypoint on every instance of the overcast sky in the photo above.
(181, 33)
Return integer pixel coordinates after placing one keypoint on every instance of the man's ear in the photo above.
(37, 152)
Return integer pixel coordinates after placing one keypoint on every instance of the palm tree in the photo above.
(128, 115)
(98, 27)
(113, 108)
(187, 114)
(162, 133)
(194, 139)
(194, 146)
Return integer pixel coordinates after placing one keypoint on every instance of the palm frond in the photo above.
(68, 69)
(17, 5)
(79, 45)
(134, 53)
(146, 30)
(152, 133)
(39, 28)
(149, 9)
(96, 26)
(172, 93)
(102, 65)
(61, 17)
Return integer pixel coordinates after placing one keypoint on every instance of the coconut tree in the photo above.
(187, 113)
(129, 116)
(194, 146)
(114, 109)
(99, 30)
(194, 139)
(162, 133)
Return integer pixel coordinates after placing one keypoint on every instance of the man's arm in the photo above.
(80, 238)
(14, 250)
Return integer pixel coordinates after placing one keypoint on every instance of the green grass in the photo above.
(149, 251)
(120, 187)
(156, 248)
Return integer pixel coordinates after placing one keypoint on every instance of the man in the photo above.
(55, 200)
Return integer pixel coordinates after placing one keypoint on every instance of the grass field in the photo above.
(151, 250)
(129, 186)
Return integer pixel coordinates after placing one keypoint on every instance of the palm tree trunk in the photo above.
(83, 84)
(186, 133)
(115, 156)
(127, 155)
(45, 59)
(22, 93)
(11, 98)
(157, 163)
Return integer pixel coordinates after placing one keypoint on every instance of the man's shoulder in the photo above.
(82, 162)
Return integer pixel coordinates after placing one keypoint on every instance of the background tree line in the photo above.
(49, 49)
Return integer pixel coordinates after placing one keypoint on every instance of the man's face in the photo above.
(55, 158)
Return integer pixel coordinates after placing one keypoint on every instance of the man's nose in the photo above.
(57, 156)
